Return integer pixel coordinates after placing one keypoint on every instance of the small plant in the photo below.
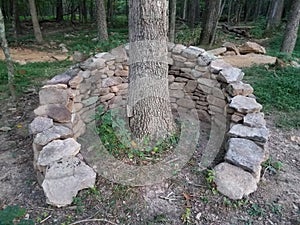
(256, 210)
(14, 215)
(275, 208)
(186, 216)
(210, 179)
(272, 166)
(79, 204)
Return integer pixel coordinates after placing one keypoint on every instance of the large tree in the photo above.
(101, 20)
(291, 30)
(35, 22)
(148, 100)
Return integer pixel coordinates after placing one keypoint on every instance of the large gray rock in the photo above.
(255, 120)
(54, 94)
(234, 182)
(245, 104)
(58, 149)
(230, 75)
(64, 178)
(259, 134)
(55, 132)
(39, 124)
(245, 154)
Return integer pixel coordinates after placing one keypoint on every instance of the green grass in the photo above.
(278, 91)
(31, 74)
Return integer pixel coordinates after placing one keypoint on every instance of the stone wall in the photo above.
(197, 80)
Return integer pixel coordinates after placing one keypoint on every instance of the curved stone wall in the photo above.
(197, 80)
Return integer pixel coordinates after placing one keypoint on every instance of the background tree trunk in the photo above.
(275, 14)
(9, 63)
(148, 100)
(184, 9)
(16, 21)
(172, 20)
(291, 31)
(59, 11)
(101, 20)
(35, 22)
(209, 21)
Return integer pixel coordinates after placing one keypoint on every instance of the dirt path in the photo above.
(186, 197)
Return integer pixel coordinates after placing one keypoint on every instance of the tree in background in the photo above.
(172, 20)
(291, 30)
(59, 11)
(35, 22)
(274, 14)
(101, 20)
(9, 63)
(149, 108)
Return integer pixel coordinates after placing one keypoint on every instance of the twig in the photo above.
(48, 217)
(92, 220)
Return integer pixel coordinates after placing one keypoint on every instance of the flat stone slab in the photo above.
(234, 182)
(58, 112)
(64, 178)
(55, 132)
(239, 88)
(230, 75)
(39, 124)
(249, 60)
(111, 81)
(217, 65)
(58, 149)
(245, 104)
(245, 154)
(254, 120)
(259, 134)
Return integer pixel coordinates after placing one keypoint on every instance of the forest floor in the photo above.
(186, 198)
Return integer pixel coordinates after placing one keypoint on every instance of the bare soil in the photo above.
(184, 199)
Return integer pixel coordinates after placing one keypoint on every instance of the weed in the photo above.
(275, 208)
(272, 166)
(256, 210)
(14, 215)
(78, 201)
(235, 203)
(161, 219)
(186, 216)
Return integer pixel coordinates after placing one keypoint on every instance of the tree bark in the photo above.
(275, 14)
(59, 11)
(209, 21)
(35, 22)
(184, 9)
(149, 109)
(16, 21)
(291, 30)
(101, 20)
(9, 63)
(172, 20)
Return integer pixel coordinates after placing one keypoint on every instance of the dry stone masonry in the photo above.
(197, 80)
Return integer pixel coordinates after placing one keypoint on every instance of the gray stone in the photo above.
(230, 75)
(252, 47)
(217, 92)
(259, 134)
(75, 81)
(119, 53)
(90, 101)
(64, 178)
(245, 104)
(192, 52)
(55, 132)
(207, 82)
(176, 86)
(85, 74)
(196, 74)
(54, 94)
(190, 64)
(190, 86)
(60, 79)
(179, 58)
(178, 49)
(186, 103)
(217, 51)
(245, 154)
(239, 88)
(99, 63)
(255, 120)
(107, 97)
(58, 149)
(216, 101)
(39, 124)
(111, 81)
(122, 73)
(59, 113)
(176, 93)
(217, 65)
(234, 182)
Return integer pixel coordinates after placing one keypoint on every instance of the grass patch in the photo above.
(31, 73)
(278, 91)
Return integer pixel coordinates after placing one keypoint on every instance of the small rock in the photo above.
(239, 88)
(245, 154)
(75, 81)
(259, 134)
(192, 52)
(64, 178)
(55, 132)
(245, 104)
(178, 49)
(58, 149)
(39, 124)
(255, 120)
(176, 86)
(186, 103)
(107, 97)
(217, 65)
(111, 81)
(5, 129)
(234, 182)
(53, 94)
(231, 47)
(57, 112)
(60, 79)
(230, 75)
(217, 51)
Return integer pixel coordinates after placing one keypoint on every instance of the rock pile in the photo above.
(196, 81)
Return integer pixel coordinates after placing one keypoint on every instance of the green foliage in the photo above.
(210, 179)
(278, 91)
(14, 215)
(117, 140)
(186, 216)
(256, 210)
(188, 36)
(272, 165)
(259, 28)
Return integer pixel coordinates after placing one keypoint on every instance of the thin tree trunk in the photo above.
(101, 20)
(291, 31)
(16, 21)
(59, 11)
(229, 11)
(35, 22)
(9, 63)
(184, 9)
(172, 20)
(148, 100)
(275, 14)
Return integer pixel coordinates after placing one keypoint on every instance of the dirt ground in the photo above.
(184, 199)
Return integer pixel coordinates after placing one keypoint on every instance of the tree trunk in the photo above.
(9, 63)
(257, 9)
(59, 11)
(172, 20)
(291, 30)
(101, 20)
(35, 22)
(275, 14)
(149, 109)
(16, 20)
(184, 9)
(209, 21)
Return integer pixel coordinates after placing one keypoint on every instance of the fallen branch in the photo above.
(92, 220)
